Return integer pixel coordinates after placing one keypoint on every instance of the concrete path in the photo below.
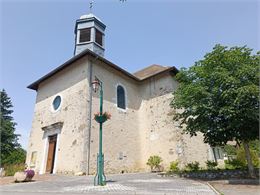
(145, 183)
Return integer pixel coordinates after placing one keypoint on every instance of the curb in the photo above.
(214, 189)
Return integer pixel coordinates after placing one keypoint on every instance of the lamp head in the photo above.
(95, 84)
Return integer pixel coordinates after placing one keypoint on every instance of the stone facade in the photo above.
(132, 135)
(145, 128)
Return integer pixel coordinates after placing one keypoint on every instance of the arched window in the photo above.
(120, 97)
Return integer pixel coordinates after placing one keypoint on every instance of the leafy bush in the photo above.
(10, 170)
(255, 145)
(174, 166)
(240, 160)
(232, 150)
(194, 166)
(154, 162)
(211, 165)
(234, 164)
(241, 156)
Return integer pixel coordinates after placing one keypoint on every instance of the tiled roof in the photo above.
(150, 71)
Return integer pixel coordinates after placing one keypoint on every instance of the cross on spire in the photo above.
(91, 6)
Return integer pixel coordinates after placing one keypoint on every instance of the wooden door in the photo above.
(51, 153)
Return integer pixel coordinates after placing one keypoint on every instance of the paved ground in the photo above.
(10, 179)
(139, 184)
(236, 189)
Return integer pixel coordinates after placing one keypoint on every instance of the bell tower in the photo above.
(89, 34)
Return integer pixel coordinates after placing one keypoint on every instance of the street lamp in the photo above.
(100, 178)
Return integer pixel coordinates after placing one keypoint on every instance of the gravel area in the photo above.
(236, 189)
(10, 179)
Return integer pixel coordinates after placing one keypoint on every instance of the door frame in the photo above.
(46, 149)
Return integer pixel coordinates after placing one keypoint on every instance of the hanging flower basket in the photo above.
(101, 118)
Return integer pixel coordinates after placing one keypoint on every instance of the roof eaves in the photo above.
(35, 84)
(173, 68)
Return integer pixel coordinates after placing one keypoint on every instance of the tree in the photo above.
(17, 157)
(219, 97)
(9, 140)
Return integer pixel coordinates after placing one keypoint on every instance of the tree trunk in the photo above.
(249, 160)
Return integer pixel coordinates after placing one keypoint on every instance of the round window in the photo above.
(56, 102)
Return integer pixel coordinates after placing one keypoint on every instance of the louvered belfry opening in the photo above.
(98, 37)
(84, 35)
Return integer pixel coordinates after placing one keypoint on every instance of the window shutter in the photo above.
(84, 35)
(98, 37)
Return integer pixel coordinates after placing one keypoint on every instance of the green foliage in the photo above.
(255, 146)
(240, 160)
(241, 156)
(12, 168)
(234, 164)
(211, 165)
(174, 166)
(17, 156)
(220, 96)
(193, 166)
(230, 150)
(11, 151)
(154, 161)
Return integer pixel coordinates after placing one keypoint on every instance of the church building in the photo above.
(65, 137)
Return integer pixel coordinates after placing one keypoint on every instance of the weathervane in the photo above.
(91, 6)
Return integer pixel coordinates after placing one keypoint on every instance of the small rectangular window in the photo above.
(84, 35)
(98, 37)
(33, 159)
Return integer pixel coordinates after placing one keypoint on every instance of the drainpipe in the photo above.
(90, 112)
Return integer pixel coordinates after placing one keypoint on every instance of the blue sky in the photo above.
(37, 36)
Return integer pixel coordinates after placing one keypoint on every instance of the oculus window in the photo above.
(98, 37)
(120, 97)
(56, 103)
(84, 35)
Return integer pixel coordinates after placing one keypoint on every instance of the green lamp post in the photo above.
(100, 178)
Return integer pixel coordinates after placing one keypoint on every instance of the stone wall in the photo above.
(160, 134)
(218, 174)
(71, 85)
(132, 135)
(121, 139)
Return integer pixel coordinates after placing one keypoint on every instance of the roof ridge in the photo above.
(152, 65)
(150, 70)
(35, 84)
